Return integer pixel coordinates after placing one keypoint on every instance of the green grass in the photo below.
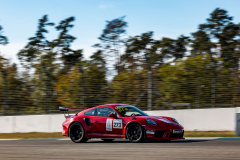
(31, 135)
(210, 134)
(34, 135)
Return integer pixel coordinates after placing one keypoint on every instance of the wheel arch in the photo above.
(76, 122)
(133, 122)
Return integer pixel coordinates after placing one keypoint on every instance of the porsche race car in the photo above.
(112, 121)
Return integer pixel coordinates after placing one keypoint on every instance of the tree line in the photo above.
(201, 69)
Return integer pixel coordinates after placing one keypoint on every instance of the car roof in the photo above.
(113, 105)
(105, 105)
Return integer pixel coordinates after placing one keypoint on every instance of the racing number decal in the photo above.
(117, 123)
(109, 125)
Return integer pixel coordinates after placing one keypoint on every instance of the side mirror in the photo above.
(112, 115)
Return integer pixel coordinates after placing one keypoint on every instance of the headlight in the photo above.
(151, 122)
(174, 120)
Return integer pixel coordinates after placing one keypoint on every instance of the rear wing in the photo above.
(65, 111)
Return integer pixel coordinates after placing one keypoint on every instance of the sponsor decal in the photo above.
(177, 131)
(150, 131)
(165, 120)
(121, 109)
(117, 123)
(109, 125)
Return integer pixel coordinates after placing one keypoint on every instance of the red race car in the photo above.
(112, 121)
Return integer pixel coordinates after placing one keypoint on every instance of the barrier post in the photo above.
(238, 124)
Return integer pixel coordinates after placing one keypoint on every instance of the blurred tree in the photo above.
(169, 50)
(201, 44)
(4, 41)
(112, 41)
(127, 86)
(36, 54)
(98, 89)
(70, 60)
(17, 94)
(68, 88)
(140, 45)
(42, 54)
(196, 72)
(218, 20)
(98, 59)
(156, 52)
(219, 27)
(136, 48)
(70, 57)
(3, 62)
(37, 45)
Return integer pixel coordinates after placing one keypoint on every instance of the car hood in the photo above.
(163, 121)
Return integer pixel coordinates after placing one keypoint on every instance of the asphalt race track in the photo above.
(97, 149)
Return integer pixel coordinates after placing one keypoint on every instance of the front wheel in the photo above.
(77, 133)
(134, 133)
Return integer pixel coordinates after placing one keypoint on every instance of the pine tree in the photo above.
(4, 41)
(112, 41)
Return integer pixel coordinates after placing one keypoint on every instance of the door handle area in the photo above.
(97, 122)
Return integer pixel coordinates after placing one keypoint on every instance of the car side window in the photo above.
(90, 113)
(105, 111)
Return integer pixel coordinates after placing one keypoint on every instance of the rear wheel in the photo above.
(107, 140)
(134, 133)
(77, 133)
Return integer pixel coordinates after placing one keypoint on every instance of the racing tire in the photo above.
(77, 133)
(134, 133)
(107, 140)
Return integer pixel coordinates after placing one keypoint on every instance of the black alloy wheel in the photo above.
(135, 133)
(76, 133)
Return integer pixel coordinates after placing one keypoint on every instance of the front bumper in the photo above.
(164, 133)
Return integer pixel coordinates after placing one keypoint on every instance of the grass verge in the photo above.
(31, 135)
(210, 134)
(34, 135)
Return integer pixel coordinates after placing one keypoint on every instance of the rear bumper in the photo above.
(65, 131)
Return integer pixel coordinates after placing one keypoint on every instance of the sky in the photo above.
(167, 18)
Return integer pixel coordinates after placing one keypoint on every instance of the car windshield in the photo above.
(126, 111)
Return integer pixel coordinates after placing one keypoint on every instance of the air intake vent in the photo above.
(159, 133)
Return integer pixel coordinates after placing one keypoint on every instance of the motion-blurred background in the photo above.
(156, 55)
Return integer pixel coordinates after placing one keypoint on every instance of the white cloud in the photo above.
(104, 6)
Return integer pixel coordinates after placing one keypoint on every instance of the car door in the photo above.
(103, 122)
(107, 126)
(118, 125)
(95, 123)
